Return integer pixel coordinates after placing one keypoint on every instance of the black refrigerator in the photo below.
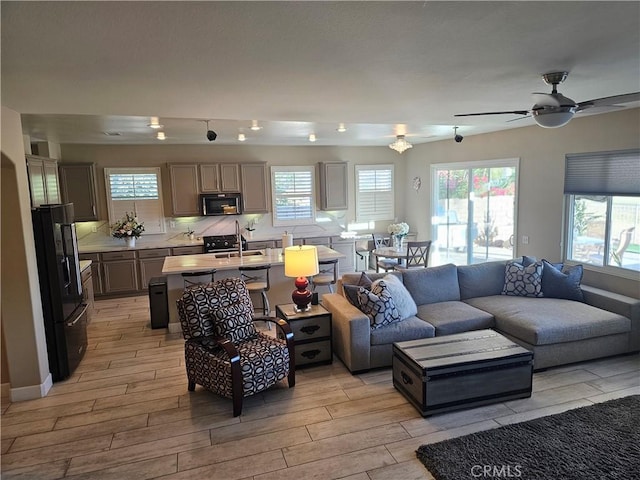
(65, 316)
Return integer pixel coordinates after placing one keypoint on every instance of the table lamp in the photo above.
(301, 261)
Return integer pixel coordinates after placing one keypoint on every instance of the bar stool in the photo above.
(257, 280)
(327, 276)
(195, 278)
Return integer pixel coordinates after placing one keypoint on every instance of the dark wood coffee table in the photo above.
(459, 371)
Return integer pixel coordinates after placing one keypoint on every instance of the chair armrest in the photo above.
(351, 332)
(287, 334)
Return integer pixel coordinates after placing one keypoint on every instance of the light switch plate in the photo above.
(525, 239)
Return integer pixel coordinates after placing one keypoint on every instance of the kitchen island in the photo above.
(227, 265)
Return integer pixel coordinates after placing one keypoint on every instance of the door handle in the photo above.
(84, 310)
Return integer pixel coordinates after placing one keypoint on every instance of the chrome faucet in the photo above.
(239, 239)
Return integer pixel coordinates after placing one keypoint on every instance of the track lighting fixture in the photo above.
(341, 128)
(155, 123)
(254, 125)
(211, 135)
(458, 138)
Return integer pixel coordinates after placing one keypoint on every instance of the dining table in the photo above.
(390, 252)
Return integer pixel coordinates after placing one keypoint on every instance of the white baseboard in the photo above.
(33, 391)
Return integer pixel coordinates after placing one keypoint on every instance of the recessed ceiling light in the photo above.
(341, 128)
(161, 136)
(312, 137)
(155, 123)
(113, 134)
(254, 125)
(241, 137)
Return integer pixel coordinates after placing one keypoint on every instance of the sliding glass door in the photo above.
(474, 206)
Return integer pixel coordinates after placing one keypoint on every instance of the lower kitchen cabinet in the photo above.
(87, 291)
(96, 271)
(120, 272)
(150, 263)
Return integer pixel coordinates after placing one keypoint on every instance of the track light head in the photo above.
(211, 135)
(457, 137)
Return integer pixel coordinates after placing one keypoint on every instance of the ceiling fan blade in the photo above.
(519, 118)
(608, 101)
(514, 112)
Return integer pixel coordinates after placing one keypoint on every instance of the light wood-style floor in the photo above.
(126, 414)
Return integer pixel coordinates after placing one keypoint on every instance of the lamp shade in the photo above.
(301, 261)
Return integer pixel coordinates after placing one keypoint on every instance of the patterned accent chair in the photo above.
(223, 350)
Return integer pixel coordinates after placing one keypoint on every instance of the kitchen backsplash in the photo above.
(254, 227)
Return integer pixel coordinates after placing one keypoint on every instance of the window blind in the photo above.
(293, 195)
(603, 173)
(374, 193)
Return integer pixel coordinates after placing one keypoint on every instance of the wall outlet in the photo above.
(525, 239)
(172, 224)
(94, 229)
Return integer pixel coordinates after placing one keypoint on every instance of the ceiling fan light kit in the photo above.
(400, 144)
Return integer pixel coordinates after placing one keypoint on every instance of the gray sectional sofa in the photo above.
(452, 299)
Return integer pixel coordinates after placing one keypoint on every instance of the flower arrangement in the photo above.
(128, 226)
(398, 229)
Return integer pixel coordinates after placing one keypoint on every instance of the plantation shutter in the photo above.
(293, 195)
(603, 173)
(374, 193)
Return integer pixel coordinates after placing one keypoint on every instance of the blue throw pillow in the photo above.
(351, 291)
(563, 282)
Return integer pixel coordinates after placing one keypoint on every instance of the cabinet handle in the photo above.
(310, 329)
(406, 379)
(310, 354)
(93, 208)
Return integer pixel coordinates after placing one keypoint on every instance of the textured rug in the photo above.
(597, 442)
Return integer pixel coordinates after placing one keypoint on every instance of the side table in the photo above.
(311, 333)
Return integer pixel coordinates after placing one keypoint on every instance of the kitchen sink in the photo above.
(246, 253)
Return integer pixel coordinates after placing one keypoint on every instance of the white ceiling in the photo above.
(78, 69)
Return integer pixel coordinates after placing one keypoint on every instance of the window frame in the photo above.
(385, 216)
(279, 222)
(148, 223)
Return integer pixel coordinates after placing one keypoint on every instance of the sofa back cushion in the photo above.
(433, 284)
(481, 279)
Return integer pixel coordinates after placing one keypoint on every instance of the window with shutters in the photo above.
(135, 190)
(374, 193)
(602, 193)
(293, 195)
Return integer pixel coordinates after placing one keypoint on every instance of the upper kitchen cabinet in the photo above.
(43, 180)
(333, 186)
(255, 191)
(78, 186)
(224, 177)
(184, 189)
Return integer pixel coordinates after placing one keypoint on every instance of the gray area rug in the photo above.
(597, 442)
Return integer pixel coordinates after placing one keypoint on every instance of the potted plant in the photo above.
(129, 228)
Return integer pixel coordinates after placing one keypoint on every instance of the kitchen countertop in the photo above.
(84, 264)
(207, 261)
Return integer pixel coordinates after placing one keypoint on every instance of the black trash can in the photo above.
(158, 302)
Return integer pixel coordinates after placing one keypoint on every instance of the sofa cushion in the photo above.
(454, 317)
(433, 284)
(559, 281)
(481, 279)
(378, 305)
(410, 328)
(404, 302)
(523, 281)
(545, 321)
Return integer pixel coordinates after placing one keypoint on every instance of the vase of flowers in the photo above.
(128, 228)
(398, 231)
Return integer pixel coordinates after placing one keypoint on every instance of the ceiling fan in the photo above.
(553, 110)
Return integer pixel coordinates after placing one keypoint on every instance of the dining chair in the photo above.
(379, 241)
(417, 255)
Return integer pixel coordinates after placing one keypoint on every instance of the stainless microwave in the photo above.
(221, 204)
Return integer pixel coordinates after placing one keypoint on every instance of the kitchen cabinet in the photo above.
(184, 190)
(318, 241)
(333, 186)
(150, 263)
(78, 186)
(87, 291)
(255, 192)
(120, 272)
(96, 271)
(348, 248)
(223, 177)
(44, 183)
